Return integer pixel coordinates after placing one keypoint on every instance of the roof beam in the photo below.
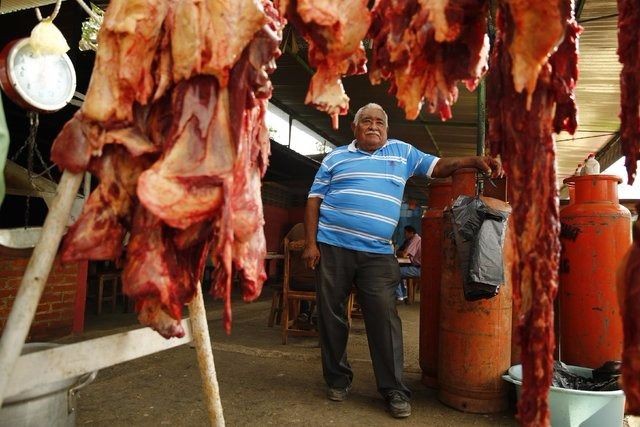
(610, 152)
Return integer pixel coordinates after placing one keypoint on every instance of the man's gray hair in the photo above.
(356, 118)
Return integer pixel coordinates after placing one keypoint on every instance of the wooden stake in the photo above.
(200, 332)
(35, 277)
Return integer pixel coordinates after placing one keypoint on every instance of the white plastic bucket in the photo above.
(578, 408)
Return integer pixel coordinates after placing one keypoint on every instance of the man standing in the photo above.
(412, 249)
(352, 211)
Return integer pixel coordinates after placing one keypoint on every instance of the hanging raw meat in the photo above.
(173, 127)
(334, 30)
(521, 126)
(629, 299)
(629, 56)
(425, 47)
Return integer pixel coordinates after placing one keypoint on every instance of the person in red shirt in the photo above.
(412, 249)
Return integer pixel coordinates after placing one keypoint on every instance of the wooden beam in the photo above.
(34, 370)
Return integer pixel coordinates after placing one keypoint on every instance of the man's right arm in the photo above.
(311, 252)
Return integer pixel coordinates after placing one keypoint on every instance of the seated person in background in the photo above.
(412, 249)
(302, 279)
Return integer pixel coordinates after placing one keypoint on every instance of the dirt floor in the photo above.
(262, 382)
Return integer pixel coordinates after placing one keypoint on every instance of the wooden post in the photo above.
(35, 277)
(200, 332)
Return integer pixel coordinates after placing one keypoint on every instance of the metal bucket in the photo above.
(51, 404)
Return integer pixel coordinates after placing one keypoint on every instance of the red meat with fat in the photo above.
(173, 126)
(521, 126)
(629, 56)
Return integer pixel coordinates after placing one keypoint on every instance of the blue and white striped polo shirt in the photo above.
(362, 193)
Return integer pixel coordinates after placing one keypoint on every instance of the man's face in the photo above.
(371, 130)
(407, 234)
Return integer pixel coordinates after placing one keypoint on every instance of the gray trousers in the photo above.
(375, 277)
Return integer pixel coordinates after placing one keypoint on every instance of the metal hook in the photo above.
(481, 177)
(53, 15)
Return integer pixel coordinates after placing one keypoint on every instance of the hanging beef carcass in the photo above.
(629, 56)
(629, 277)
(424, 47)
(530, 96)
(629, 299)
(334, 30)
(173, 126)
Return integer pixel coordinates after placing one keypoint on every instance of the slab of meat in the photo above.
(425, 47)
(629, 56)
(334, 30)
(538, 27)
(520, 130)
(184, 186)
(629, 299)
(173, 126)
(99, 232)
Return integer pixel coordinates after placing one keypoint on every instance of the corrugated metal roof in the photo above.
(598, 89)
(7, 6)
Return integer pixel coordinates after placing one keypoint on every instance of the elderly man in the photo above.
(352, 210)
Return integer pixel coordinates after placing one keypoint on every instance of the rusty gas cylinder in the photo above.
(439, 198)
(475, 337)
(596, 231)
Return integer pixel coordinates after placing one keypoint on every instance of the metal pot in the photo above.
(51, 404)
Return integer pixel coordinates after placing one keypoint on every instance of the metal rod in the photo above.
(597, 18)
(87, 9)
(433, 140)
(579, 8)
(200, 333)
(482, 118)
(587, 137)
(35, 277)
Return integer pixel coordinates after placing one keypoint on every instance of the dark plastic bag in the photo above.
(605, 378)
(479, 234)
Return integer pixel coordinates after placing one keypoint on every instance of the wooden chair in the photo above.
(275, 314)
(110, 283)
(298, 285)
(413, 285)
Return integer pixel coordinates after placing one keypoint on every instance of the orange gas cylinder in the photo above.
(475, 337)
(572, 192)
(439, 198)
(596, 232)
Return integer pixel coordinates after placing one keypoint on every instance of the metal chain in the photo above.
(34, 122)
(31, 146)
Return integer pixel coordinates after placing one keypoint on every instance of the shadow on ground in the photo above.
(262, 382)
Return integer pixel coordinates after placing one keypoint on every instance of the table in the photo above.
(404, 260)
(269, 257)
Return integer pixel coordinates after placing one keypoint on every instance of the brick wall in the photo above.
(54, 315)
(276, 225)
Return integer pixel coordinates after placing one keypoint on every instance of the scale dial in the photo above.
(44, 83)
